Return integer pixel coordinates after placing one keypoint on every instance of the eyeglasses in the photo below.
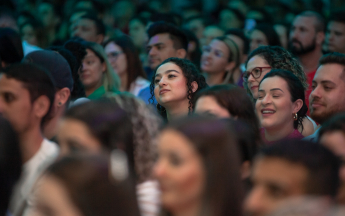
(114, 55)
(256, 73)
(217, 53)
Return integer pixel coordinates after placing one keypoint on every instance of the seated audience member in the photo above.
(198, 168)
(26, 97)
(89, 28)
(263, 35)
(11, 50)
(48, 13)
(97, 74)
(291, 169)
(220, 61)
(335, 34)
(175, 83)
(87, 185)
(210, 32)
(261, 61)
(283, 33)
(125, 61)
(102, 126)
(137, 31)
(33, 33)
(194, 50)
(332, 136)
(231, 18)
(242, 43)
(280, 106)
(60, 70)
(327, 97)
(10, 163)
(195, 24)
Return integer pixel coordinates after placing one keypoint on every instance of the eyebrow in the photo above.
(156, 44)
(274, 89)
(327, 82)
(166, 72)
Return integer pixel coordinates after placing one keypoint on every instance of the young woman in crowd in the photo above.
(100, 126)
(33, 33)
(261, 61)
(220, 61)
(96, 74)
(87, 185)
(280, 106)
(174, 84)
(125, 61)
(198, 168)
(263, 35)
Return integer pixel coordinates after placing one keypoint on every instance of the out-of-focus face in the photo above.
(274, 181)
(209, 105)
(28, 34)
(253, 83)
(117, 58)
(257, 38)
(92, 72)
(46, 15)
(335, 37)
(74, 137)
(15, 104)
(282, 33)
(179, 171)
(274, 107)
(302, 38)
(86, 29)
(137, 31)
(228, 19)
(197, 27)
(215, 57)
(170, 84)
(210, 33)
(327, 97)
(240, 44)
(161, 47)
(57, 202)
(335, 141)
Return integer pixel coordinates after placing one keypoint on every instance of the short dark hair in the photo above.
(269, 32)
(100, 27)
(322, 165)
(239, 33)
(36, 80)
(320, 21)
(11, 50)
(176, 35)
(334, 58)
(336, 123)
(337, 16)
(296, 90)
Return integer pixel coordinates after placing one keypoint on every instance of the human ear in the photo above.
(181, 53)
(297, 105)
(230, 66)
(41, 106)
(62, 96)
(99, 39)
(194, 86)
(320, 37)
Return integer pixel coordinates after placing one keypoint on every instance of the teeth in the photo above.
(266, 111)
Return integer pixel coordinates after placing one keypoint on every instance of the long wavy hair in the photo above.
(191, 73)
(279, 58)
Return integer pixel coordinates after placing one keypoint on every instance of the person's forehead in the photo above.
(168, 66)
(305, 21)
(274, 82)
(331, 72)
(11, 85)
(339, 26)
(160, 38)
(86, 22)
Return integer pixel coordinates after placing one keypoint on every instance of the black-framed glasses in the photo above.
(256, 73)
(114, 54)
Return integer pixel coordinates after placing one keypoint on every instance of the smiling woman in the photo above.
(280, 106)
(174, 85)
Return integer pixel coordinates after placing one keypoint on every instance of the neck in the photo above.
(124, 80)
(50, 128)
(30, 142)
(310, 61)
(214, 78)
(275, 133)
(190, 210)
(177, 110)
(91, 89)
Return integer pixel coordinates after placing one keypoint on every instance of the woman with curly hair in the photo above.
(266, 58)
(174, 84)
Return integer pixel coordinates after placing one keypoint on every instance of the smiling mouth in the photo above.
(163, 91)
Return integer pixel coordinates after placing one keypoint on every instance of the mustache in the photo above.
(295, 41)
(316, 100)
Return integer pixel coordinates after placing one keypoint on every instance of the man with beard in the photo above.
(327, 97)
(305, 41)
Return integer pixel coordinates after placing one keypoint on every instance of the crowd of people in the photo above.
(183, 108)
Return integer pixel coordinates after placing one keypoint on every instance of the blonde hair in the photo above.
(111, 81)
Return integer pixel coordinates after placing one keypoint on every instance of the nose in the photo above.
(315, 93)
(162, 82)
(266, 100)
(152, 51)
(254, 203)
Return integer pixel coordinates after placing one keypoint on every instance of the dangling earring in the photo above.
(160, 108)
(295, 117)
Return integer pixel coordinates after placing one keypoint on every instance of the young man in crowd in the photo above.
(305, 41)
(26, 97)
(291, 169)
(327, 97)
(165, 41)
(89, 28)
(60, 70)
(335, 34)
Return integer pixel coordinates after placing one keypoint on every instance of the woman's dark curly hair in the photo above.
(296, 90)
(190, 72)
(279, 58)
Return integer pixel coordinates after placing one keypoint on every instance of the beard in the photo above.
(300, 50)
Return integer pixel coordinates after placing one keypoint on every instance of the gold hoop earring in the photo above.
(295, 117)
